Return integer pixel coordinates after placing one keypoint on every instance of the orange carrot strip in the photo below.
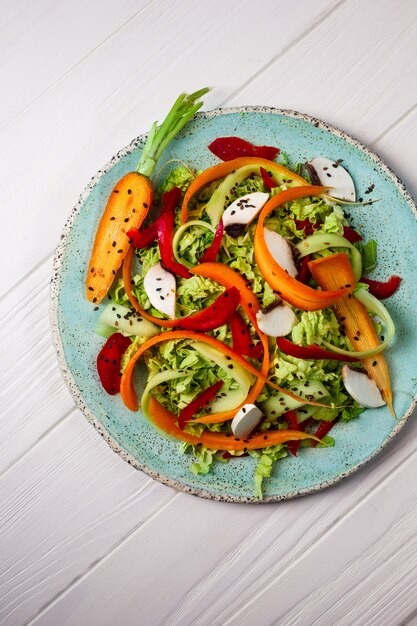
(228, 277)
(330, 272)
(126, 208)
(223, 169)
(127, 390)
(165, 421)
(293, 291)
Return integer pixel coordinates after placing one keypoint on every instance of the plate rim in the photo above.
(56, 334)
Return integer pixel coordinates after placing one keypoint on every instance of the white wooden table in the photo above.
(84, 538)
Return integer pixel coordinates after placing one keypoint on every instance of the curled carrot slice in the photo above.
(165, 421)
(223, 169)
(293, 291)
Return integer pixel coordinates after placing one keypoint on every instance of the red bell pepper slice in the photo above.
(351, 234)
(210, 255)
(322, 431)
(304, 274)
(165, 229)
(242, 342)
(228, 148)
(143, 238)
(268, 180)
(215, 315)
(307, 226)
(201, 400)
(311, 352)
(108, 362)
(382, 290)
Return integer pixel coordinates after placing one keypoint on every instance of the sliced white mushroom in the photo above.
(331, 174)
(246, 420)
(362, 388)
(281, 251)
(276, 320)
(242, 211)
(160, 287)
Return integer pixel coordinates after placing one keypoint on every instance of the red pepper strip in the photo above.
(311, 352)
(165, 228)
(351, 234)
(210, 255)
(382, 290)
(322, 431)
(291, 417)
(217, 314)
(143, 238)
(108, 362)
(304, 274)
(198, 403)
(267, 178)
(228, 148)
(241, 338)
(307, 226)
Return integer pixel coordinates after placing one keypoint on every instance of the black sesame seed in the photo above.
(91, 288)
(129, 191)
(114, 244)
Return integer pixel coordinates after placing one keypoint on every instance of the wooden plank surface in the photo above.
(84, 539)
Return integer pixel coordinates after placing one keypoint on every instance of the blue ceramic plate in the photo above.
(392, 222)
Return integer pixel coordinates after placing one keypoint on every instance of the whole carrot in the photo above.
(131, 198)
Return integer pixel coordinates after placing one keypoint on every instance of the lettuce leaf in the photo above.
(181, 177)
(267, 458)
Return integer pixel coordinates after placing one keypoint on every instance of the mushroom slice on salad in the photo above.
(362, 388)
(160, 287)
(242, 211)
(330, 173)
(246, 420)
(276, 320)
(281, 251)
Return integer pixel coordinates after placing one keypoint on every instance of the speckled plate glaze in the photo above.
(392, 222)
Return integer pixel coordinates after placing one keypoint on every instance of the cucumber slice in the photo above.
(158, 379)
(234, 397)
(179, 233)
(125, 321)
(322, 241)
(280, 404)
